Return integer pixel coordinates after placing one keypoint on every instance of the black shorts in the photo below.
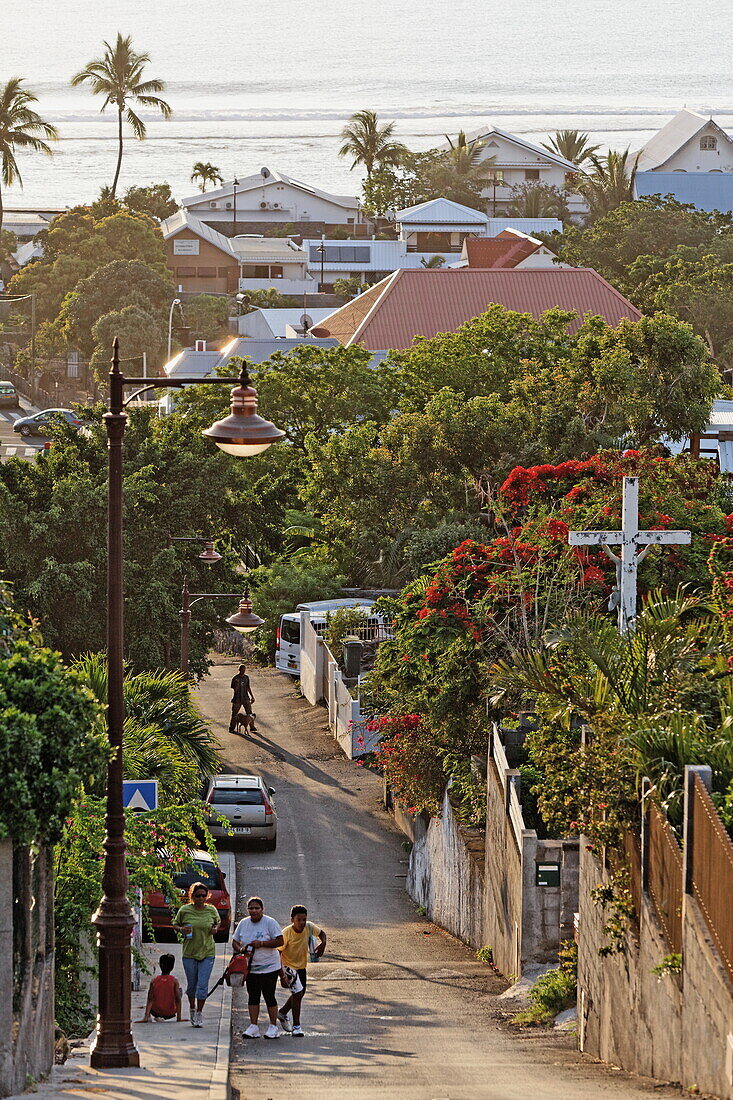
(263, 985)
(303, 975)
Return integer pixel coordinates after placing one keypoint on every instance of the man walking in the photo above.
(264, 936)
(242, 697)
(295, 954)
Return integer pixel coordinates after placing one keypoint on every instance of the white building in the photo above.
(515, 163)
(689, 142)
(277, 324)
(277, 262)
(272, 198)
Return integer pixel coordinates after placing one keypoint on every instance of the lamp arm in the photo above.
(178, 383)
(213, 596)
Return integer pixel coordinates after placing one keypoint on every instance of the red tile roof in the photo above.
(498, 251)
(423, 303)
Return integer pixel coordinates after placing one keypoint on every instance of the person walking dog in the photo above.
(197, 922)
(264, 936)
(295, 953)
(242, 697)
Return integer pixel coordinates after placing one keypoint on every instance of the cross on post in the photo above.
(630, 538)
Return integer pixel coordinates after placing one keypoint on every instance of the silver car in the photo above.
(246, 802)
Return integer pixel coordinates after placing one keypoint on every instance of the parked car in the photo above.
(161, 913)
(373, 629)
(246, 802)
(39, 422)
(9, 396)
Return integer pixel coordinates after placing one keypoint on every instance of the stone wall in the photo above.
(446, 872)
(27, 977)
(679, 1028)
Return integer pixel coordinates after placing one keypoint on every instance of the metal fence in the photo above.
(665, 877)
(712, 872)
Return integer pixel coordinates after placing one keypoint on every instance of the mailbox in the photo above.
(547, 874)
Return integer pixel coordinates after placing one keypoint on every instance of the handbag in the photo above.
(238, 969)
(312, 945)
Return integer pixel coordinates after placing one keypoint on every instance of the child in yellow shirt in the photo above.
(295, 953)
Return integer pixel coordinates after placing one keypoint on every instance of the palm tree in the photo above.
(461, 173)
(117, 76)
(161, 715)
(610, 183)
(20, 128)
(571, 145)
(205, 172)
(537, 200)
(369, 143)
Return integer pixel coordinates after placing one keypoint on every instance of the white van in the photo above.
(287, 647)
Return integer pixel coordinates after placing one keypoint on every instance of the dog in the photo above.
(246, 722)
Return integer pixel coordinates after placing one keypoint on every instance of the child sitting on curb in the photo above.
(164, 994)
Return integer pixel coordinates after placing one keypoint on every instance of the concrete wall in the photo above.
(677, 1029)
(446, 873)
(504, 878)
(27, 976)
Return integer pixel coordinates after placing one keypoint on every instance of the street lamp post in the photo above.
(174, 303)
(241, 433)
(188, 599)
(235, 185)
(321, 250)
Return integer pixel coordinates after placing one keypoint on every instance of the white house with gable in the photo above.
(689, 142)
(516, 163)
(272, 198)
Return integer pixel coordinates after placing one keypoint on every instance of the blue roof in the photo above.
(705, 190)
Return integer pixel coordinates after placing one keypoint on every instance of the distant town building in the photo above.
(409, 304)
(439, 225)
(275, 324)
(270, 200)
(689, 142)
(511, 249)
(515, 162)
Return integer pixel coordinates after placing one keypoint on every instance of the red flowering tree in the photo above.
(487, 600)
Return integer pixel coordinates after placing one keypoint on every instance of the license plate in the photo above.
(242, 829)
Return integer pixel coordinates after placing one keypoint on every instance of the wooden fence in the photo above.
(665, 877)
(632, 845)
(712, 872)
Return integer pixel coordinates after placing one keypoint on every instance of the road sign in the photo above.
(140, 794)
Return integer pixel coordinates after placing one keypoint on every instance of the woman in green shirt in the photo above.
(197, 922)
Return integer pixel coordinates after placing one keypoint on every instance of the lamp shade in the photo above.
(245, 621)
(209, 554)
(244, 432)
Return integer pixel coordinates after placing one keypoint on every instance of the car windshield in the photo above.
(290, 631)
(228, 796)
(202, 872)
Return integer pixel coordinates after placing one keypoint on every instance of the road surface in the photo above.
(397, 1008)
(12, 444)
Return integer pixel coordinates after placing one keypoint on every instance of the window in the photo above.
(290, 631)
(186, 272)
(234, 796)
(223, 272)
(497, 176)
(206, 272)
(276, 271)
(202, 872)
(532, 175)
(709, 142)
(340, 254)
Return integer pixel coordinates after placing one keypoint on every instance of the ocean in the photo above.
(271, 82)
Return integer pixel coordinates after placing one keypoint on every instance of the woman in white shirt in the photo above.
(264, 935)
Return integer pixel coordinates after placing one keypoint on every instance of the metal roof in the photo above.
(489, 131)
(183, 220)
(705, 190)
(498, 251)
(272, 249)
(670, 139)
(201, 363)
(383, 255)
(525, 225)
(722, 414)
(409, 304)
(251, 183)
(439, 212)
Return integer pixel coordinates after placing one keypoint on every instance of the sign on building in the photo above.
(184, 246)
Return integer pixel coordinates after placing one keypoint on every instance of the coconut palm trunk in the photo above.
(119, 153)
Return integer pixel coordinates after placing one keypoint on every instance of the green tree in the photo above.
(207, 316)
(538, 200)
(392, 188)
(111, 288)
(610, 182)
(279, 587)
(20, 128)
(206, 172)
(8, 244)
(460, 173)
(155, 199)
(572, 145)
(369, 143)
(118, 76)
(139, 332)
(348, 288)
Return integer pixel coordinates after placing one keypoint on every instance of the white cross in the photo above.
(629, 538)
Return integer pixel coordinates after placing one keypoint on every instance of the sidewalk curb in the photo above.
(219, 1083)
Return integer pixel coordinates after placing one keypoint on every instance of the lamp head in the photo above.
(244, 432)
(209, 554)
(245, 621)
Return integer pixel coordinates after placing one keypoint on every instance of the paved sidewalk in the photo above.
(175, 1059)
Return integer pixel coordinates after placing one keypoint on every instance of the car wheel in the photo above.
(24, 430)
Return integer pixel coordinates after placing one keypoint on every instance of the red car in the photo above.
(206, 871)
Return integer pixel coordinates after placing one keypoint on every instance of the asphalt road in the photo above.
(12, 444)
(397, 1008)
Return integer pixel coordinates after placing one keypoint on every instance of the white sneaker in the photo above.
(193, 1017)
(273, 1032)
(252, 1032)
(198, 1021)
(298, 1032)
(284, 1022)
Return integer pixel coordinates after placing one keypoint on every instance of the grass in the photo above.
(555, 991)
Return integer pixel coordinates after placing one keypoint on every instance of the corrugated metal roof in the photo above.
(673, 135)
(705, 190)
(491, 252)
(423, 303)
(251, 183)
(526, 225)
(439, 212)
(271, 249)
(383, 256)
(183, 220)
(721, 415)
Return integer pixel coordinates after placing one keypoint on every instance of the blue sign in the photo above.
(140, 794)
